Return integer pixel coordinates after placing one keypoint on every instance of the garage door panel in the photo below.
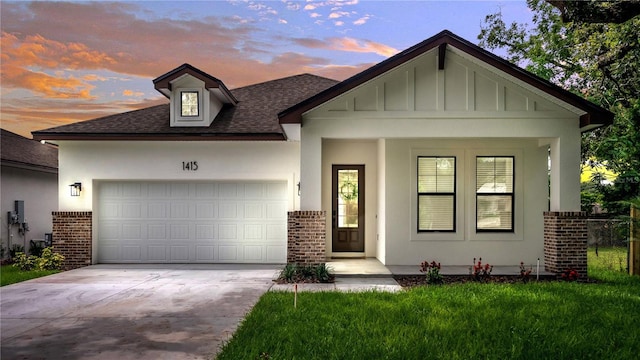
(205, 232)
(228, 253)
(205, 253)
(192, 222)
(132, 253)
(157, 231)
(157, 253)
(157, 210)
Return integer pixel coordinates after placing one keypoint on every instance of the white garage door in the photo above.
(192, 222)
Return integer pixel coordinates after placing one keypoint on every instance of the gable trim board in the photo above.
(444, 96)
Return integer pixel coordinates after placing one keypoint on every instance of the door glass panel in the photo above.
(348, 198)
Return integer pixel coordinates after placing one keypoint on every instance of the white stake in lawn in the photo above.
(295, 296)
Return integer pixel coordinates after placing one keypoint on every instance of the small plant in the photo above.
(323, 273)
(525, 272)
(432, 272)
(481, 272)
(570, 275)
(288, 274)
(50, 260)
(293, 273)
(24, 262)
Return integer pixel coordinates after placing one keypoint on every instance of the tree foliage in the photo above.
(597, 11)
(597, 60)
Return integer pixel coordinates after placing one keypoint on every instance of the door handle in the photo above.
(333, 218)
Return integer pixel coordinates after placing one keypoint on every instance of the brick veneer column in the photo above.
(72, 237)
(306, 237)
(565, 241)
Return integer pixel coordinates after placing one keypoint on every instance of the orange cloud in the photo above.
(348, 44)
(132, 93)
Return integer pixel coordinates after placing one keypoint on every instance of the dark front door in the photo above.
(348, 208)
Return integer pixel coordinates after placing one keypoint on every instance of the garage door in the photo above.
(192, 222)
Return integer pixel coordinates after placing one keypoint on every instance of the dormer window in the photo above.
(189, 104)
(196, 98)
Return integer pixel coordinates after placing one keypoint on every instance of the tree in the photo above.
(599, 61)
(597, 11)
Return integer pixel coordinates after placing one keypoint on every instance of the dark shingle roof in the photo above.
(255, 117)
(19, 151)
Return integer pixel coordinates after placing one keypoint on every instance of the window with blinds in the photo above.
(436, 193)
(494, 193)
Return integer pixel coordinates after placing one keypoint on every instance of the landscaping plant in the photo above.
(295, 273)
(48, 261)
(481, 272)
(432, 272)
(525, 272)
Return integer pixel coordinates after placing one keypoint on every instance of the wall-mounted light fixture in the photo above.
(298, 188)
(75, 189)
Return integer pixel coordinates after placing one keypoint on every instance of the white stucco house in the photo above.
(441, 152)
(29, 190)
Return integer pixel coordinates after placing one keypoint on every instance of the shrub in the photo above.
(323, 273)
(432, 272)
(24, 262)
(481, 272)
(292, 273)
(50, 260)
(570, 275)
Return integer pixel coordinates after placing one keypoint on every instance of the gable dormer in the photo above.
(196, 97)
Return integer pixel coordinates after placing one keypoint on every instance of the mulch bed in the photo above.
(408, 281)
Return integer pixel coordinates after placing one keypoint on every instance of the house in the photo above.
(442, 152)
(29, 183)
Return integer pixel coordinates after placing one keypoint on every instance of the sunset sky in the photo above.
(63, 62)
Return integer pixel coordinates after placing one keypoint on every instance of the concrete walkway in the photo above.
(129, 312)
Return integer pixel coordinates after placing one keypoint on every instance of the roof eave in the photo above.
(158, 137)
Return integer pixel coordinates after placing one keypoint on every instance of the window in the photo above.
(189, 103)
(494, 193)
(436, 193)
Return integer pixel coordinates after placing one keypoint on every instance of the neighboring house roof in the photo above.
(254, 117)
(19, 151)
(594, 116)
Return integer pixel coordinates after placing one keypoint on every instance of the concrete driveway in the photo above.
(129, 311)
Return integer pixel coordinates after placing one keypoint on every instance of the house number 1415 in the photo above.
(189, 166)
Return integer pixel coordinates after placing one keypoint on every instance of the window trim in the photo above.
(454, 194)
(511, 194)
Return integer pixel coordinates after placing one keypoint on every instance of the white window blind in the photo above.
(494, 193)
(436, 193)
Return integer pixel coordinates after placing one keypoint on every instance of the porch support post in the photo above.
(72, 237)
(306, 237)
(565, 241)
(311, 173)
(565, 173)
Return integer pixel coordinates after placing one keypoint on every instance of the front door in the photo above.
(348, 208)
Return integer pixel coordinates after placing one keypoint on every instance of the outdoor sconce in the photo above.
(75, 189)
(298, 188)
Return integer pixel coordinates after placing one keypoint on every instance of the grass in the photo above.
(492, 321)
(11, 275)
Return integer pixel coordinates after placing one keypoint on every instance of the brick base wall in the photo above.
(72, 237)
(306, 237)
(565, 241)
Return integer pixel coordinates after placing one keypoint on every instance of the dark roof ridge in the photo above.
(283, 79)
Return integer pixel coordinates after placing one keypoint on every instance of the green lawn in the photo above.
(547, 320)
(11, 275)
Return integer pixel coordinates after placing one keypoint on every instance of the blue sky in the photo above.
(70, 61)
